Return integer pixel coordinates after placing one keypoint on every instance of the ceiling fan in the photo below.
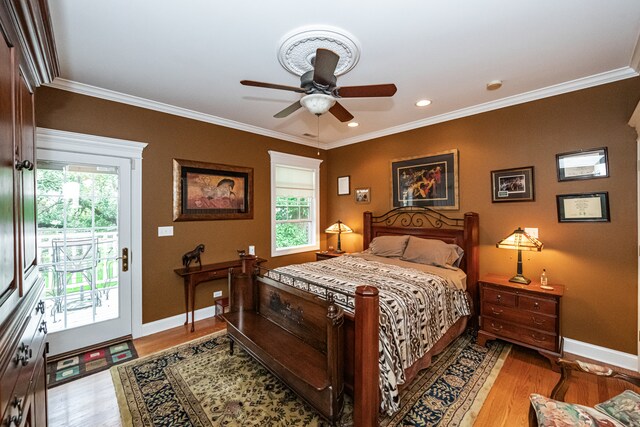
(321, 91)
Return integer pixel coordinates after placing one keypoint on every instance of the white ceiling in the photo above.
(187, 57)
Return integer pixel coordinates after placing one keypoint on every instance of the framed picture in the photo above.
(209, 191)
(343, 186)
(583, 164)
(583, 207)
(512, 185)
(430, 180)
(363, 195)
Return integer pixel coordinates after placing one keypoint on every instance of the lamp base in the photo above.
(338, 251)
(519, 278)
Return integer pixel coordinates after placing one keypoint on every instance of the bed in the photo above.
(373, 372)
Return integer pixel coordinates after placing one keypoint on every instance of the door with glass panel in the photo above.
(83, 216)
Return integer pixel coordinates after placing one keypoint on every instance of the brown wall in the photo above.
(597, 262)
(176, 137)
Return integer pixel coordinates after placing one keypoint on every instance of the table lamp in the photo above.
(520, 241)
(339, 228)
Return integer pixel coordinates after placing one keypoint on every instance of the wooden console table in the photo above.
(193, 276)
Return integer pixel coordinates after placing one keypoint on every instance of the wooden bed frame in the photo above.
(360, 362)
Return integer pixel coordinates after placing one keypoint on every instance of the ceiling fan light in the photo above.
(318, 103)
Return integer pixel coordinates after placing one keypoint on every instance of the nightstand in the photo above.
(328, 255)
(521, 314)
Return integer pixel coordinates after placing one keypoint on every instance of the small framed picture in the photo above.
(512, 185)
(363, 195)
(343, 186)
(583, 207)
(583, 164)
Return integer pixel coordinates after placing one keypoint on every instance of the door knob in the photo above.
(25, 164)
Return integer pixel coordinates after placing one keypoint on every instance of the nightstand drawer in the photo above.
(532, 337)
(512, 315)
(539, 305)
(500, 297)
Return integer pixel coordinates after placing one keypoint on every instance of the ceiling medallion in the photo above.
(298, 48)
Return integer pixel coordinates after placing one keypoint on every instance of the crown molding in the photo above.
(136, 101)
(570, 86)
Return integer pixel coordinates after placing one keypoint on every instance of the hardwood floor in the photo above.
(91, 401)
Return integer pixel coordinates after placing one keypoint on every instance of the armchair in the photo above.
(621, 410)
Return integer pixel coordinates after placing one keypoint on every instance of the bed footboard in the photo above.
(358, 362)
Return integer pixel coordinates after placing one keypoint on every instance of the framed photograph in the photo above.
(210, 191)
(430, 180)
(512, 185)
(583, 207)
(583, 164)
(343, 186)
(363, 195)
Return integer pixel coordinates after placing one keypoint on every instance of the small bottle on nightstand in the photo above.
(544, 281)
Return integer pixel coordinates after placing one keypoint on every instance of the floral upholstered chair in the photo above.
(619, 411)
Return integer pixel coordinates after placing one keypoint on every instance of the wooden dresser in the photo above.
(522, 314)
(27, 59)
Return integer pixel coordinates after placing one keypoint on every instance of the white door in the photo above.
(84, 237)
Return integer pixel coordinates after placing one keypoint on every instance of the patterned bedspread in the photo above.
(416, 309)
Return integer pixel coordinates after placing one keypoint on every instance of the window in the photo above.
(295, 203)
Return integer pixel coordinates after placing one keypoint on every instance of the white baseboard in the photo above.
(601, 354)
(173, 321)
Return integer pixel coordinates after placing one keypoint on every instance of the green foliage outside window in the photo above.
(293, 221)
(103, 188)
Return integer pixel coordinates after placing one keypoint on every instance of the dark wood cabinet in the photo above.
(27, 59)
(526, 315)
(8, 237)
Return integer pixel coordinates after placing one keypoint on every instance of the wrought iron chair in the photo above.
(73, 256)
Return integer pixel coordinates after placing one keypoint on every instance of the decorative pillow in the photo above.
(553, 413)
(389, 246)
(625, 408)
(431, 252)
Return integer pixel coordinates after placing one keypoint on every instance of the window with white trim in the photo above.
(295, 203)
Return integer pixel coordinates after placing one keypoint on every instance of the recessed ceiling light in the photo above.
(423, 103)
(494, 85)
(353, 124)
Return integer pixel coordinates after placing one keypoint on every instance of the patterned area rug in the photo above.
(200, 384)
(89, 362)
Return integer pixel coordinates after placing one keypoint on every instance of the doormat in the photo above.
(89, 362)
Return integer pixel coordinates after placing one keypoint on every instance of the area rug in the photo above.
(200, 384)
(80, 365)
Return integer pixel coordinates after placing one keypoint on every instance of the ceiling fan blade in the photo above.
(366, 91)
(290, 109)
(271, 86)
(340, 112)
(324, 66)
